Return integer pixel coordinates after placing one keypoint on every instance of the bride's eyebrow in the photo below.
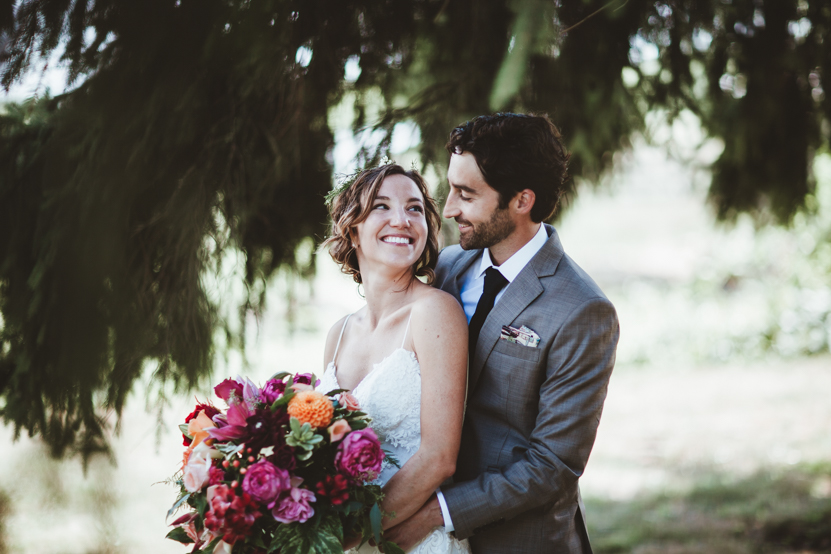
(414, 199)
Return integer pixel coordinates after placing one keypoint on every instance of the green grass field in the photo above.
(785, 510)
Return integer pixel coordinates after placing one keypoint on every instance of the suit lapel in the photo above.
(519, 294)
(453, 285)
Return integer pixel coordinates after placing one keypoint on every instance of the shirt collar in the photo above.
(511, 267)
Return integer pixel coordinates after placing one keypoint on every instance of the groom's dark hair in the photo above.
(515, 152)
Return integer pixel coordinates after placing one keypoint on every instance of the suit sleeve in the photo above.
(579, 364)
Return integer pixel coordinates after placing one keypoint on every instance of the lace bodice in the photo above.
(391, 395)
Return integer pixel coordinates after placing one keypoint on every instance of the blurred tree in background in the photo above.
(196, 126)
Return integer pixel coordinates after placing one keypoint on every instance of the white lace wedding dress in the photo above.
(391, 395)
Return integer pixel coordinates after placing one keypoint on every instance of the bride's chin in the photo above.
(390, 267)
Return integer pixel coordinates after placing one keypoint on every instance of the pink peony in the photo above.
(359, 456)
(295, 505)
(264, 481)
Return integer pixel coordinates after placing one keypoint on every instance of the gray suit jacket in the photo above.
(532, 413)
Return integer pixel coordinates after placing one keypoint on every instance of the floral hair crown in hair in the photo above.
(346, 180)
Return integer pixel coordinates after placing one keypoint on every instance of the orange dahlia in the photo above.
(311, 407)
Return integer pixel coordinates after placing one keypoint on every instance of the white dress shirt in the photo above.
(473, 283)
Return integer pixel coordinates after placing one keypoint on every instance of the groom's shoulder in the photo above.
(450, 254)
(447, 259)
(571, 286)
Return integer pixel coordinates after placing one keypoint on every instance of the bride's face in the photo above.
(395, 232)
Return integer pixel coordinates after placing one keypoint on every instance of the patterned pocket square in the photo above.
(524, 336)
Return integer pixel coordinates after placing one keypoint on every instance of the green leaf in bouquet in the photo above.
(390, 457)
(257, 540)
(179, 501)
(336, 391)
(283, 400)
(229, 449)
(211, 546)
(183, 427)
(280, 376)
(179, 535)
(352, 506)
(201, 504)
(302, 436)
(375, 521)
(295, 538)
(358, 424)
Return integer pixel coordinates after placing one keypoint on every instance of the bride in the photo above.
(404, 354)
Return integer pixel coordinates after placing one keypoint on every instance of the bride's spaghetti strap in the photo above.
(337, 347)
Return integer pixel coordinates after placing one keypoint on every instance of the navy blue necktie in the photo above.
(494, 282)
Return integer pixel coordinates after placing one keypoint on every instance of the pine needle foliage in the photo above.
(198, 126)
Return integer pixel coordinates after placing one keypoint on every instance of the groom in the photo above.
(542, 347)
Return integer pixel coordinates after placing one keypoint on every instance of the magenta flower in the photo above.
(295, 505)
(236, 419)
(250, 393)
(265, 482)
(359, 456)
(273, 389)
(228, 388)
(305, 379)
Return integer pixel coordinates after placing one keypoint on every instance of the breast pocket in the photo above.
(515, 350)
(521, 375)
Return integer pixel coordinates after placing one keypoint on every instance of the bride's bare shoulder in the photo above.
(436, 305)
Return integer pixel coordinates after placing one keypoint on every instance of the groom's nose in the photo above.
(451, 207)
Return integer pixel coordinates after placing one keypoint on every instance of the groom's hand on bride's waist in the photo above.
(410, 532)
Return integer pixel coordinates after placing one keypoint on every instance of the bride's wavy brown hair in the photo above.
(352, 206)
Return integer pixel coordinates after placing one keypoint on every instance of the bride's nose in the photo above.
(399, 218)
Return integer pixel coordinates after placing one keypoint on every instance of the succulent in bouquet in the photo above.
(284, 468)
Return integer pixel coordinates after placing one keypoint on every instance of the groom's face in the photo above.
(475, 205)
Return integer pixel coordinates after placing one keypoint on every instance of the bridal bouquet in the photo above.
(283, 469)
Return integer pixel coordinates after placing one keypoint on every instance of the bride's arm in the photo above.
(439, 331)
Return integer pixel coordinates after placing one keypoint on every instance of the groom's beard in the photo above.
(486, 234)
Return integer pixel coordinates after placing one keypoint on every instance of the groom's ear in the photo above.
(523, 201)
